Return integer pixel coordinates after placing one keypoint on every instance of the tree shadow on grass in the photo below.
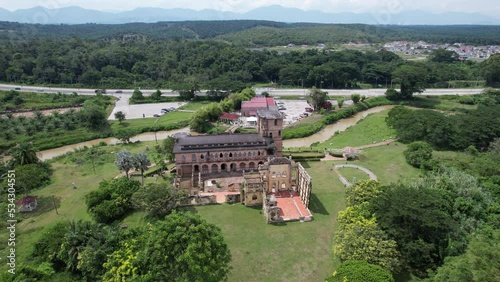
(316, 207)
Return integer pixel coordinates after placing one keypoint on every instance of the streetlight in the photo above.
(154, 124)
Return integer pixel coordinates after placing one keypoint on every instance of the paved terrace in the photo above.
(291, 207)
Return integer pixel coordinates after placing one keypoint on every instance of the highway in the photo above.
(271, 91)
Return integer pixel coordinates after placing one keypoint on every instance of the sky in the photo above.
(486, 7)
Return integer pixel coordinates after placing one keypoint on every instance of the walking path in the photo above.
(345, 181)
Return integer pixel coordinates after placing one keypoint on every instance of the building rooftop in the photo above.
(229, 116)
(271, 113)
(220, 141)
(258, 102)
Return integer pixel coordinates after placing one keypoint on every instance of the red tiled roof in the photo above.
(252, 113)
(229, 116)
(258, 102)
(26, 200)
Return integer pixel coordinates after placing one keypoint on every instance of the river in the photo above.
(147, 136)
(320, 136)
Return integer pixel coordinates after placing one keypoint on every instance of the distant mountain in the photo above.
(78, 15)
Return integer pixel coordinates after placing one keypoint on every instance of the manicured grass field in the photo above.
(352, 174)
(193, 106)
(371, 129)
(387, 162)
(166, 120)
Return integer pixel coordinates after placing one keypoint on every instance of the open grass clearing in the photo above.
(352, 175)
(371, 129)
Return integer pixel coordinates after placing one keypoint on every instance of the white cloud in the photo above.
(489, 7)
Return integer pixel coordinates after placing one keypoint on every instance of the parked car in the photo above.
(171, 109)
(156, 115)
(305, 114)
(309, 110)
(102, 91)
(119, 91)
(281, 108)
(165, 110)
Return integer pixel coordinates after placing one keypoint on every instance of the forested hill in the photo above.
(257, 33)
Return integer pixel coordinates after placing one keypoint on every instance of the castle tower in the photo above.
(270, 124)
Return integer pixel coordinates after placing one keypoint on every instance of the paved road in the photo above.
(274, 92)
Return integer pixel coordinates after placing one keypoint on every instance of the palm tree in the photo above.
(24, 154)
(141, 162)
(124, 161)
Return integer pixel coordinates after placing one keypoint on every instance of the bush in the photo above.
(467, 100)
(418, 154)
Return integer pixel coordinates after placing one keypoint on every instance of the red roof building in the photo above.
(249, 108)
(27, 203)
(228, 117)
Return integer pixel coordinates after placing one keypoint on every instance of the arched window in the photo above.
(244, 154)
(202, 156)
(193, 157)
(284, 174)
(279, 133)
(275, 122)
(183, 158)
(258, 153)
(230, 155)
(220, 155)
(225, 155)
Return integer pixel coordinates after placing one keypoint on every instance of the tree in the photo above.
(418, 153)
(120, 116)
(355, 98)
(419, 219)
(340, 102)
(411, 78)
(137, 95)
(157, 199)
(491, 70)
(183, 247)
(363, 192)
(112, 200)
(392, 94)
(360, 238)
(316, 98)
(23, 154)
(141, 162)
(124, 135)
(360, 271)
(443, 56)
(156, 95)
(166, 148)
(124, 161)
(31, 176)
(481, 262)
(94, 115)
(47, 247)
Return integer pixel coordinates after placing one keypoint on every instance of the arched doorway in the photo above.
(242, 166)
(223, 167)
(204, 168)
(251, 165)
(215, 168)
(196, 168)
(233, 167)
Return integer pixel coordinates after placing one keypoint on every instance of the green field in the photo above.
(352, 175)
(31, 100)
(165, 121)
(371, 129)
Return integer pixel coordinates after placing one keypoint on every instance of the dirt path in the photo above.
(388, 141)
(345, 181)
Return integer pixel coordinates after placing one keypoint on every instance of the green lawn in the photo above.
(193, 106)
(387, 162)
(371, 129)
(352, 174)
(166, 120)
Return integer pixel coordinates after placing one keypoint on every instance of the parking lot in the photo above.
(142, 110)
(294, 108)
